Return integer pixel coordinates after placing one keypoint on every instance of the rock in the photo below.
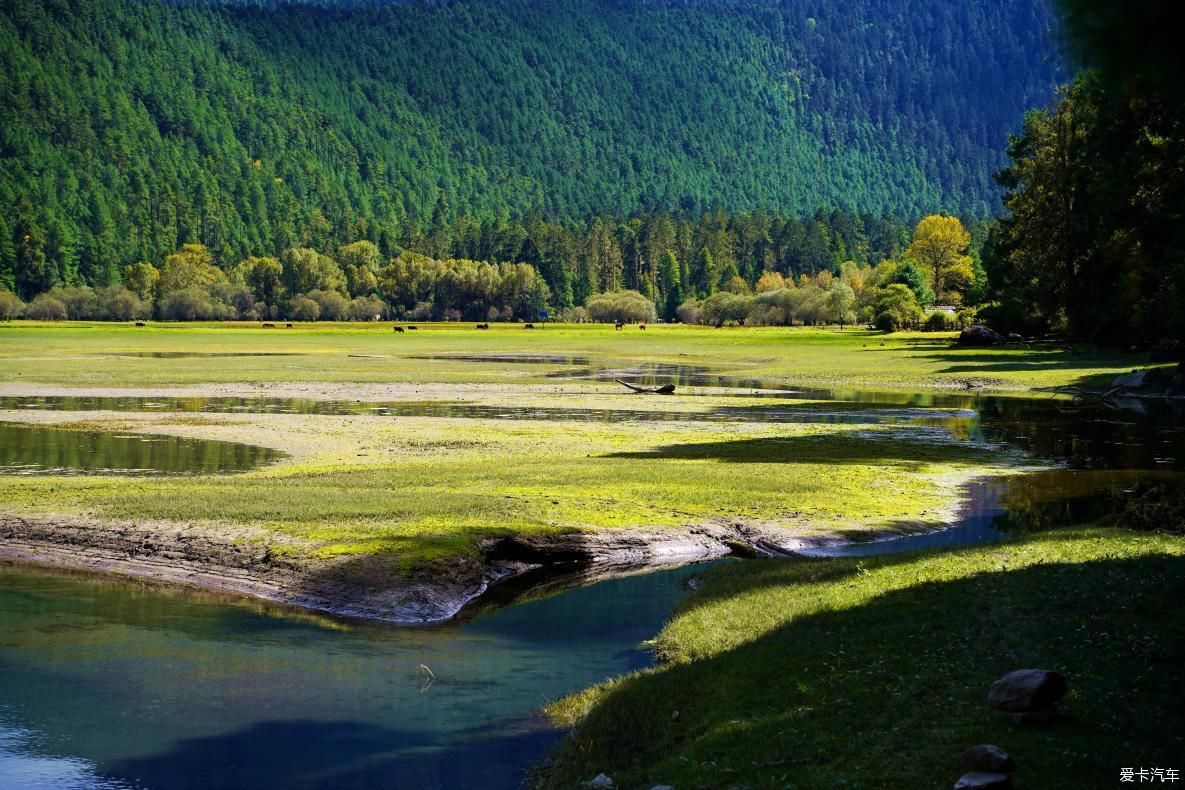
(663, 787)
(1013, 337)
(1025, 690)
(1140, 379)
(987, 758)
(601, 781)
(979, 335)
(982, 780)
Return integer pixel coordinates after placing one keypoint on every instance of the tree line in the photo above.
(722, 268)
(1093, 241)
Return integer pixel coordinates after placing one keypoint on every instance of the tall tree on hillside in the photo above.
(939, 246)
(670, 277)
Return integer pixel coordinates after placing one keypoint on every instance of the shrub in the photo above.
(334, 306)
(194, 304)
(45, 307)
(79, 300)
(240, 298)
(724, 306)
(302, 308)
(574, 315)
(421, 312)
(624, 306)
(690, 312)
(116, 303)
(886, 322)
(10, 305)
(367, 308)
(939, 321)
(897, 301)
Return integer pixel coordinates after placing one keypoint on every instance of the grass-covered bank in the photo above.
(425, 489)
(874, 672)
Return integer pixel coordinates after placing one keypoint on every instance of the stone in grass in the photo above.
(987, 758)
(601, 782)
(979, 335)
(983, 780)
(1025, 690)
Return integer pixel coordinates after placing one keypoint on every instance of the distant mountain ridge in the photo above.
(130, 126)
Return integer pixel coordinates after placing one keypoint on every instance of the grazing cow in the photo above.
(642, 326)
(398, 329)
(411, 327)
(271, 326)
(289, 325)
(483, 326)
(618, 326)
(139, 323)
(528, 326)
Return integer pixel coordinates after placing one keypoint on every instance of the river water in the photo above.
(113, 683)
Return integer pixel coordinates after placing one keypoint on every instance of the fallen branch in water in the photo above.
(665, 389)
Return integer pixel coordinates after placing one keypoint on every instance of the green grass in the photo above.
(426, 489)
(874, 672)
(78, 352)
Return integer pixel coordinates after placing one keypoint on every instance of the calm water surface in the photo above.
(45, 449)
(114, 684)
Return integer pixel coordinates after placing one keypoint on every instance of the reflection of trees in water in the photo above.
(39, 448)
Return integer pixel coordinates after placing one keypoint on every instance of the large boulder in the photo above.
(979, 335)
(1142, 379)
(983, 780)
(987, 758)
(1025, 690)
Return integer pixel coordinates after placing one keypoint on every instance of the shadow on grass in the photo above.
(823, 449)
(1020, 360)
(888, 693)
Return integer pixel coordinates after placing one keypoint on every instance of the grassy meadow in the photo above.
(424, 489)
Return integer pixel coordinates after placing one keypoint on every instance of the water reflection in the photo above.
(1082, 436)
(43, 449)
(999, 507)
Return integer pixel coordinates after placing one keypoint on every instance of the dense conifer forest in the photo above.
(565, 134)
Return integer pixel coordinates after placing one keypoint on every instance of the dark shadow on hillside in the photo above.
(895, 688)
(826, 449)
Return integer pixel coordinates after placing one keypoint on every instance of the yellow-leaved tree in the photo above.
(939, 247)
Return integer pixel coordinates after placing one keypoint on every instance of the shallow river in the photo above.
(117, 684)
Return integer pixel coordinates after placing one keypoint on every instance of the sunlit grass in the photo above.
(426, 489)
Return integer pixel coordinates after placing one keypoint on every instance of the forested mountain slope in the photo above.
(130, 126)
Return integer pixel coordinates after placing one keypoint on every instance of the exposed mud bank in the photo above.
(274, 568)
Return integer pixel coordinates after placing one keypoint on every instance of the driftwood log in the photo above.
(665, 389)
